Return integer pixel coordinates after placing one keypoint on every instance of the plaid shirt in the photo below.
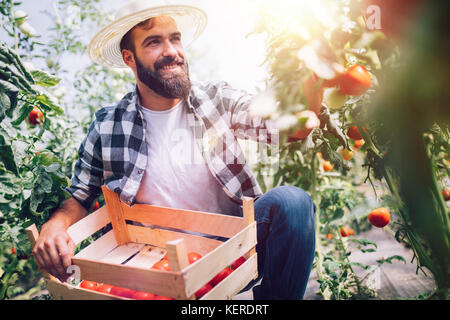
(114, 152)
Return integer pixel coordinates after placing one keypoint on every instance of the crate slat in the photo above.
(116, 215)
(235, 282)
(198, 274)
(203, 222)
(88, 225)
(122, 253)
(166, 283)
(146, 257)
(99, 248)
(159, 237)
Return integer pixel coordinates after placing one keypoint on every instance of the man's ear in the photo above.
(128, 58)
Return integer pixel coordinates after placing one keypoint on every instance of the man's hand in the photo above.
(54, 249)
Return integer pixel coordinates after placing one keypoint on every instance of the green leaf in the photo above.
(390, 259)
(44, 79)
(365, 242)
(6, 86)
(23, 113)
(45, 101)
(5, 104)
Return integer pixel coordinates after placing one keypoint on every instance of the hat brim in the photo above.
(104, 47)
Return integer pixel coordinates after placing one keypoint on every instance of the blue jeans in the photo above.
(286, 243)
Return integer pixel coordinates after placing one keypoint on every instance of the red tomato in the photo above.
(446, 195)
(141, 295)
(379, 217)
(203, 290)
(36, 116)
(220, 276)
(346, 231)
(122, 292)
(237, 263)
(96, 206)
(359, 143)
(13, 251)
(314, 93)
(193, 256)
(327, 166)
(105, 288)
(91, 285)
(354, 134)
(162, 265)
(329, 236)
(355, 81)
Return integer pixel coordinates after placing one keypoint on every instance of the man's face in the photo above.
(160, 58)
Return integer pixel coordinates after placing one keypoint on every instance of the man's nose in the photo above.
(169, 49)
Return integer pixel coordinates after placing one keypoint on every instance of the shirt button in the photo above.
(140, 171)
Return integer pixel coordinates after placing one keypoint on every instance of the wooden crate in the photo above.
(124, 256)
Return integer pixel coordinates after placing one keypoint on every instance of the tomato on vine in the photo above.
(346, 231)
(379, 217)
(446, 195)
(346, 154)
(354, 134)
(355, 81)
(35, 117)
(327, 166)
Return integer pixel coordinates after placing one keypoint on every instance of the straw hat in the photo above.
(104, 48)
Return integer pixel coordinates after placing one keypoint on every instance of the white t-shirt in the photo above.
(177, 175)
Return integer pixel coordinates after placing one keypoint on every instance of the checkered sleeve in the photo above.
(245, 125)
(88, 172)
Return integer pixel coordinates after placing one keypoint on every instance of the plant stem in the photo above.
(319, 256)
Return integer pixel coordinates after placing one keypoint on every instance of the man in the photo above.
(150, 148)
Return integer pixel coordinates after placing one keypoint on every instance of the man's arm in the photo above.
(54, 248)
(244, 124)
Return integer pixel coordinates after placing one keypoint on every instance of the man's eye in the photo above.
(152, 42)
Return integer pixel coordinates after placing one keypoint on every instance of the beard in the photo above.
(174, 86)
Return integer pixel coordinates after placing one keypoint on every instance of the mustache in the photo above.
(168, 60)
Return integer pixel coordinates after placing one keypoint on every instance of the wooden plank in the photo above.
(116, 215)
(198, 274)
(165, 283)
(147, 257)
(203, 222)
(249, 216)
(122, 253)
(178, 259)
(235, 282)
(99, 248)
(33, 235)
(88, 225)
(158, 237)
(64, 291)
